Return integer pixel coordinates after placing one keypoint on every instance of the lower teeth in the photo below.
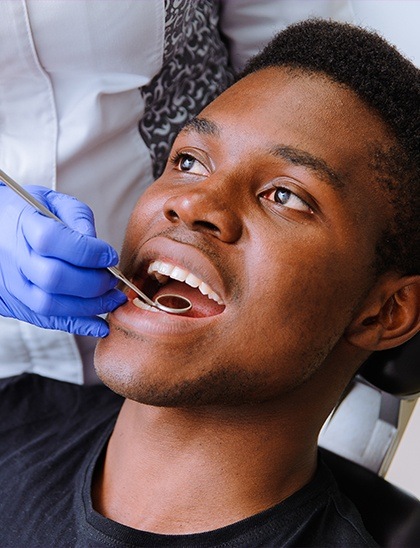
(140, 304)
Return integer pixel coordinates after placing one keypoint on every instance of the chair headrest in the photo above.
(396, 371)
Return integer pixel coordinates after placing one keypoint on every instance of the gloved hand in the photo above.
(51, 275)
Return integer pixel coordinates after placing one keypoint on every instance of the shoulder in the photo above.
(327, 517)
(51, 434)
(318, 515)
(28, 398)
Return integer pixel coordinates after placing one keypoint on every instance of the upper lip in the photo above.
(160, 253)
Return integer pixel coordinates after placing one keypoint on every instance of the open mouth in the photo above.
(164, 278)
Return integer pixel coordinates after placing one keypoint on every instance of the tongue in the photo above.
(202, 306)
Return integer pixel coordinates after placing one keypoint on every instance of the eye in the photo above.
(185, 161)
(286, 198)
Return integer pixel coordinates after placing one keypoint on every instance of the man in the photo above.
(91, 108)
(288, 215)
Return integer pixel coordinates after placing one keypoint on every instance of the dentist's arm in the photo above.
(51, 275)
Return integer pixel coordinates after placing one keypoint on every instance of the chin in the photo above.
(158, 386)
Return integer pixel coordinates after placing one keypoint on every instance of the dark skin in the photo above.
(272, 202)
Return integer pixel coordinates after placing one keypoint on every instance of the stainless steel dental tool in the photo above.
(184, 302)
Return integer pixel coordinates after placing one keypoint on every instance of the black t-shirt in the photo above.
(51, 437)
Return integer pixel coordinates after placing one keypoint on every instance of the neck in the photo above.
(175, 471)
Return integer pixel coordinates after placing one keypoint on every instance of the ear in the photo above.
(389, 316)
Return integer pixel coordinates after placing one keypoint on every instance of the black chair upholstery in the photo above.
(391, 515)
(395, 371)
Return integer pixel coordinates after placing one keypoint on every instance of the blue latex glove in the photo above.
(51, 275)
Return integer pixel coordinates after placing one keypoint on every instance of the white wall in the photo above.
(397, 20)
(404, 469)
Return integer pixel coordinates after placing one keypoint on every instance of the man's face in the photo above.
(270, 201)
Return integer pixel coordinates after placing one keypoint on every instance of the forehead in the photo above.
(274, 91)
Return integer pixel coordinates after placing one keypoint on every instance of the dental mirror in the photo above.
(182, 304)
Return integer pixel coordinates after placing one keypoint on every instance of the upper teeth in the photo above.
(163, 271)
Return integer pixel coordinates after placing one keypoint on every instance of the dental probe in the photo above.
(114, 270)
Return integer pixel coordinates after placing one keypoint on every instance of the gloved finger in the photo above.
(50, 238)
(87, 326)
(93, 327)
(86, 307)
(73, 213)
(56, 276)
(46, 304)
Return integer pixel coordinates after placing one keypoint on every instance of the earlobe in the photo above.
(390, 315)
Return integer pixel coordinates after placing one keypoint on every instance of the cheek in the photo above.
(147, 212)
(303, 298)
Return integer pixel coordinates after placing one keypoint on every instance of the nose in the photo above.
(204, 211)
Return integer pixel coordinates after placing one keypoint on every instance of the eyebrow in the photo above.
(302, 158)
(293, 155)
(203, 126)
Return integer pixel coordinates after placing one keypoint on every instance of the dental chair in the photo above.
(360, 438)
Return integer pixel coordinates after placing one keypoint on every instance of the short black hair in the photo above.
(387, 82)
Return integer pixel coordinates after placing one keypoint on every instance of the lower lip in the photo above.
(138, 320)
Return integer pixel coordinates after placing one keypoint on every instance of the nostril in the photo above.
(172, 215)
(202, 211)
(206, 225)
